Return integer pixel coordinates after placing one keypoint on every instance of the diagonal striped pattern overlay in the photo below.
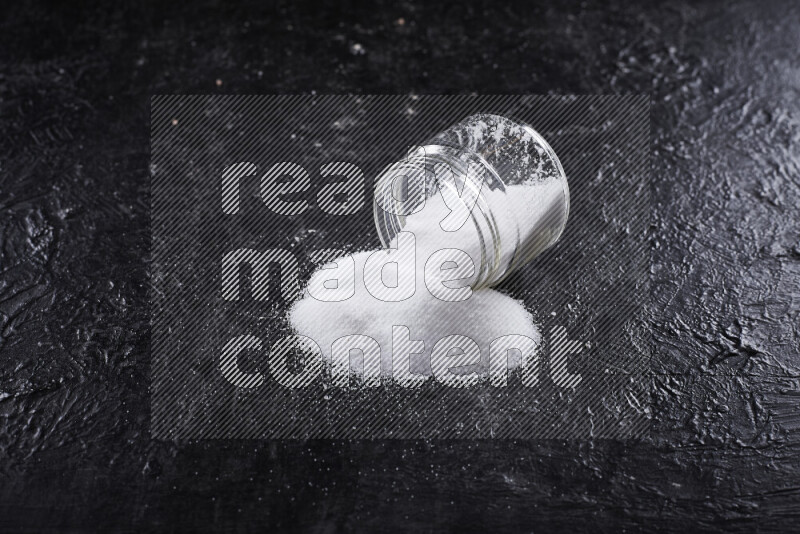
(218, 326)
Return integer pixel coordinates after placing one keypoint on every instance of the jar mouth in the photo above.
(423, 179)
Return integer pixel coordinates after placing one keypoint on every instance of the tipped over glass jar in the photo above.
(496, 177)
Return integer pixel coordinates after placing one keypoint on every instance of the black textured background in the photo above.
(724, 451)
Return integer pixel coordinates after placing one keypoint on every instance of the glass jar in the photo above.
(502, 174)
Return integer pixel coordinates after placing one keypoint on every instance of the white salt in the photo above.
(485, 316)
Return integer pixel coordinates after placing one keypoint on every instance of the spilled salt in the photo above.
(484, 316)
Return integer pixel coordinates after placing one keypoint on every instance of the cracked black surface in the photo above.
(724, 449)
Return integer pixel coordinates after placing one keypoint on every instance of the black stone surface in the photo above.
(724, 450)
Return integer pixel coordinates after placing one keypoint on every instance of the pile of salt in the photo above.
(484, 316)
